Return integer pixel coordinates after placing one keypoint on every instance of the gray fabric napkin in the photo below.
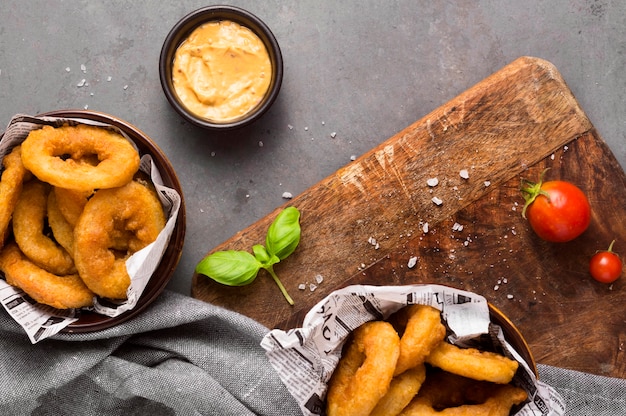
(182, 356)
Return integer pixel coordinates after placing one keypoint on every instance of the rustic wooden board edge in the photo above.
(344, 188)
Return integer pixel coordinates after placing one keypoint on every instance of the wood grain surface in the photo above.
(364, 223)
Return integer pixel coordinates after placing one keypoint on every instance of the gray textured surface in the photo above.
(362, 69)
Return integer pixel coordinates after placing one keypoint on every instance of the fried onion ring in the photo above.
(62, 231)
(60, 292)
(364, 372)
(446, 394)
(115, 224)
(401, 391)
(28, 229)
(80, 157)
(10, 189)
(71, 203)
(422, 333)
(473, 363)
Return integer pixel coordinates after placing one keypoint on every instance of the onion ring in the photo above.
(401, 391)
(422, 333)
(62, 231)
(61, 292)
(28, 229)
(115, 224)
(71, 203)
(473, 363)
(98, 158)
(10, 189)
(446, 394)
(365, 370)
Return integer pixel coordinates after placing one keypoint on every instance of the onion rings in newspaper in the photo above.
(115, 223)
(473, 363)
(10, 189)
(364, 373)
(422, 332)
(29, 219)
(80, 157)
(60, 292)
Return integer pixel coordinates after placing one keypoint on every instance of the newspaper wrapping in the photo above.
(305, 358)
(41, 321)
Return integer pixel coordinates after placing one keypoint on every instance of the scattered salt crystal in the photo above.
(466, 243)
(509, 296)
(425, 228)
(212, 153)
(552, 156)
(412, 262)
(109, 78)
(289, 126)
(301, 286)
(432, 182)
(81, 83)
(457, 227)
(437, 201)
(86, 106)
(306, 129)
(83, 68)
(464, 174)
(67, 69)
(363, 265)
(287, 195)
(125, 87)
(319, 278)
(323, 122)
(260, 143)
(312, 287)
(353, 157)
(565, 148)
(487, 184)
(496, 287)
(333, 134)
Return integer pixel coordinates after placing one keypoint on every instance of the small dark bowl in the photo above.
(183, 29)
(89, 321)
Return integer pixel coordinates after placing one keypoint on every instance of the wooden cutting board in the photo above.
(365, 222)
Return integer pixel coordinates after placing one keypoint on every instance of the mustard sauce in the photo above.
(221, 71)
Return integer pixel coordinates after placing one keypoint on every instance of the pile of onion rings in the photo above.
(73, 207)
(429, 376)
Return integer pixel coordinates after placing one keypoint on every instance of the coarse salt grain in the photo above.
(464, 174)
(412, 262)
(425, 228)
(353, 157)
(319, 278)
(432, 182)
(287, 195)
(333, 135)
(487, 184)
(81, 83)
(301, 286)
(437, 201)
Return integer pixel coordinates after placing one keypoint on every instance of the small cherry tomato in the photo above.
(606, 266)
(558, 211)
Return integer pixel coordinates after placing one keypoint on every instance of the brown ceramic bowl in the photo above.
(90, 322)
(183, 29)
(513, 336)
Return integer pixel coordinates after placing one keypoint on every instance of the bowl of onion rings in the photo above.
(408, 350)
(143, 231)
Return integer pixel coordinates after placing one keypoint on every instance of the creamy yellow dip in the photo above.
(221, 71)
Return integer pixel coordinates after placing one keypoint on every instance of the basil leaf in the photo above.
(283, 236)
(232, 268)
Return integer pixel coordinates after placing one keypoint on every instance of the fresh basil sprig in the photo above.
(239, 268)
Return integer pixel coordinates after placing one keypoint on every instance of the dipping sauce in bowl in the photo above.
(221, 67)
(221, 71)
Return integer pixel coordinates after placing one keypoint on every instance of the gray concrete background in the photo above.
(361, 69)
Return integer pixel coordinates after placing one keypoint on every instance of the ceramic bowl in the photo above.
(183, 29)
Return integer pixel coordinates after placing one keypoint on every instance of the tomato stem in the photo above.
(610, 250)
(531, 190)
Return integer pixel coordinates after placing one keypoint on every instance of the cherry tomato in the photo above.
(558, 211)
(606, 266)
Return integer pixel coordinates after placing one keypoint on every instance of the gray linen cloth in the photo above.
(182, 356)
